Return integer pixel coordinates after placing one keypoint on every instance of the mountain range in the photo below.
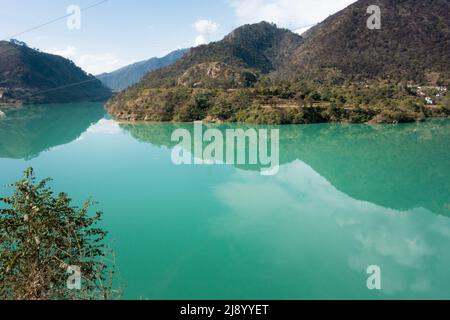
(340, 70)
(30, 76)
(124, 77)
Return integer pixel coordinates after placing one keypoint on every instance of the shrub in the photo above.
(41, 236)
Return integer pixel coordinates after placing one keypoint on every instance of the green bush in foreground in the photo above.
(42, 237)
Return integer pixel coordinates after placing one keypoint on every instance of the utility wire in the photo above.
(46, 24)
(64, 87)
(53, 21)
(49, 22)
(303, 27)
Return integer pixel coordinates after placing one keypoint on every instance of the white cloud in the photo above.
(200, 40)
(99, 63)
(105, 127)
(69, 52)
(205, 26)
(302, 30)
(92, 63)
(293, 14)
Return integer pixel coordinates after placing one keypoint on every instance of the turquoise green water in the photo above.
(346, 197)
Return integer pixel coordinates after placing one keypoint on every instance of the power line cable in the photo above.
(46, 24)
(304, 27)
(52, 21)
(64, 87)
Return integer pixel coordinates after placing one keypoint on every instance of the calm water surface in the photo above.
(346, 197)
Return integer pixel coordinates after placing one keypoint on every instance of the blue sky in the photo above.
(120, 32)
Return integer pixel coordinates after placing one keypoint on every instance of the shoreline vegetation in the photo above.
(284, 103)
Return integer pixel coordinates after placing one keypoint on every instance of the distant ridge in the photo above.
(124, 77)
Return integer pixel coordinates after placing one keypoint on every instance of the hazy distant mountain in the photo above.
(30, 76)
(129, 75)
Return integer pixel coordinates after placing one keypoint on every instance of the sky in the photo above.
(115, 33)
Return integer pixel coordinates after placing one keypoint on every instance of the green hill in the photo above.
(413, 44)
(236, 61)
(30, 76)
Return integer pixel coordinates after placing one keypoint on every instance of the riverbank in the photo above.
(312, 115)
(284, 103)
(10, 104)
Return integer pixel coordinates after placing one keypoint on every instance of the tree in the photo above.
(446, 102)
(42, 238)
